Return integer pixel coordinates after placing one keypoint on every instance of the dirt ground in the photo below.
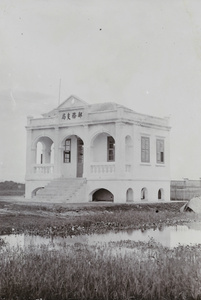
(18, 215)
(12, 205)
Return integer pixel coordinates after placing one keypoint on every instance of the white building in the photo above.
(101, 152)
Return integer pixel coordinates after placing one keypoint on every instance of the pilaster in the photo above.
(120, 151)
(87, 151)
(57, 154)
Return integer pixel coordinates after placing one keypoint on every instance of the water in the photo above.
(169, 236)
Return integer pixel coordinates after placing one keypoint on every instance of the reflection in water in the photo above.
(167, 236)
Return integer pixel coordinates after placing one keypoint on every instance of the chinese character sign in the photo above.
(71, 115)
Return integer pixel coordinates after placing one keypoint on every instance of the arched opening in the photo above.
(44, 150)
(144, 194)
(39, 153)
(103, 148)
(129, 195)
(160, 194)
(72, 157)
(34, 192)
(103, 195)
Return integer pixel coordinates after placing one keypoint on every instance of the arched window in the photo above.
(144, 194)
(160, 194)
(129, 195)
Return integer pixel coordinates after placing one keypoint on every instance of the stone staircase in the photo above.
(63, 190)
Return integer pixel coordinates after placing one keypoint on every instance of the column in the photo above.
(57, 159)
(87, 150)
(119, 151)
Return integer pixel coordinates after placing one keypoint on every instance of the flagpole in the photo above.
(59, 91)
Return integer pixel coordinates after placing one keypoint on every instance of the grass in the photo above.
(124, 270)
(146, 271)
(57, 219)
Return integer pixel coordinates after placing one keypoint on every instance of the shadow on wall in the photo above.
(103, 195)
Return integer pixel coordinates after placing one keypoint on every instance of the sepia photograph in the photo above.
(100, 151)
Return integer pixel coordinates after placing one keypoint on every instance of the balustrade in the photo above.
(44, 169)
(103, 168)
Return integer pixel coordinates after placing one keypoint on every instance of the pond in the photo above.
(171, 237)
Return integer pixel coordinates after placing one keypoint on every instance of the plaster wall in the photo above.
(31, 185)
(151, 170)
(119, 189)
(126, 172)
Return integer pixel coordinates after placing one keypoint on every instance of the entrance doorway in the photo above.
(80, 157)
(73, 157)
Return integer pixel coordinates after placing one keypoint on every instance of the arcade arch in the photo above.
(102, 195)
(34, 192)
(44, 150)
(103, 148)
(72, 156)
(144, 194)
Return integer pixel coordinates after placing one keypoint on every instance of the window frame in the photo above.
(80, 151)
(67, 152)
(160, 151)
(110, 149)
(145, 149)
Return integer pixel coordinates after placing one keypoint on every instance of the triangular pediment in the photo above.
(72, 102)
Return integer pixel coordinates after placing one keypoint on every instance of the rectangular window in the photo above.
(110, 149)
(160, 151)
(145, 149)
(67, 151)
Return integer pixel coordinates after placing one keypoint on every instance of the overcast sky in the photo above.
(144, 54)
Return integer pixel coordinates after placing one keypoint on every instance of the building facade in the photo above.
(101, 152)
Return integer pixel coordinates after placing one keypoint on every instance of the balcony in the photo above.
(42, 171)
(102, 169)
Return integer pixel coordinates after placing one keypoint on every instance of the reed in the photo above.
(120, 271)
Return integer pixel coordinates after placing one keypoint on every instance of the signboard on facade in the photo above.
(71, 115)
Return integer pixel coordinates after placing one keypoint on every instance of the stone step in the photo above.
(62, 190)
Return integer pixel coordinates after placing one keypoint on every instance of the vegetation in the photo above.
(144, 271)
(11, 188)
(63, 220)
(122, 270)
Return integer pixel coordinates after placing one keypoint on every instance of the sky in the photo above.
(144, 54)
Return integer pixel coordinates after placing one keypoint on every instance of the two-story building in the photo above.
(102, 152)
